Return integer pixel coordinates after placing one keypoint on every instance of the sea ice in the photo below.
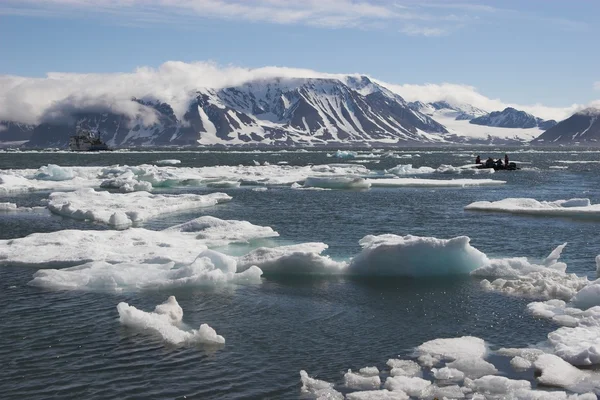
(167, 162)
(416, 182)
(466, 347)
(130, 208)
(357, 381)
(414, 256)
(321, 390)
(300, 259)
(377, 395)
(208, 269)
(165, 321)
(412, 386)
(216, 232)
(559, 208)
(337, 182)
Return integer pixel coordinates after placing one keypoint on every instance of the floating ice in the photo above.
(72, 247)
(414, 256)
(377, 395)
(437, 350)
(587, 297)
(407, 169)
(300, 259)
(497, 385)
(337, 182)
(167, 162)
(358, 381)
(520, 364)
(579, 345)
(209, 269)
(369, 371)
(415, 182)
(519, 276)
(404, 368)
(343, 154)
(559, 208)
(123, 210)
(412, 386)
(318, 388)
(448, 374)
(216, 232)
(53, 172)
(224, 184)
(165, 321)
(473, 367)
(557, 372)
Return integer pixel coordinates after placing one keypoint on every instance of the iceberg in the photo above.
(414, 256)
(428, 183)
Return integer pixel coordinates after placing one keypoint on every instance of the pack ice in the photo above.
(558, 208)
(123, 210)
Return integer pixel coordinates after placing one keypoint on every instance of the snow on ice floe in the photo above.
(300, 259)
(407, 169)
(167, 162)
(208, 269)
(415, 256)
(216, 232)
(123, 210)
(564, 208)
(452, 383)
(180, 244)
(337, 182)
(166, 321)
(519, 276)
(416, 182)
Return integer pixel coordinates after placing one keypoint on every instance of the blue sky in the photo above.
(525, 51)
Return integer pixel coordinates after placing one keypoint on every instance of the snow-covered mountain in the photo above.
(14, 131)
(581, 127)
(457, 117)
(269, 112)
(512, 118)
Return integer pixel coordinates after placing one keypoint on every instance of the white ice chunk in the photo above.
(407, 169)
(404, 367)
(297, 259)
(369, 371)
(473, 367)
(392, 255)
(88, 204)
(565, 208)
(498, 385)
(519, 363)
(579, 345)
(357, 381)
(337, 182)
(416, 182)
(557, 372)
(167, 162)
(448, 374)
(164, 321)
(412, 386)
(587, 297)
(217, 232)
(377, 395)
(209, 269)
(466, 347)
(319, 389)
(53, 172)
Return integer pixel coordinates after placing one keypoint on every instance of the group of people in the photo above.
(491, 163)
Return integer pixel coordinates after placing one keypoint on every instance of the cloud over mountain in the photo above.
(56, 96)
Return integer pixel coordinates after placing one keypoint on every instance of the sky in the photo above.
(537, 53)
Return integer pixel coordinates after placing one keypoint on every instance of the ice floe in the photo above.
(558, 208)
(166, 322)
(417, 182)
(208, 269)
(168, 162)
(415, 256)
(180, 244)
(337, 182)
(519, 276)
(123, 210)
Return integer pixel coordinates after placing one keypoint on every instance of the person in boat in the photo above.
(489, 163)
(477, 160)
(506, 160)
(499, 163)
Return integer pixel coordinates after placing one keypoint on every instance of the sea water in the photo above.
(58, 343)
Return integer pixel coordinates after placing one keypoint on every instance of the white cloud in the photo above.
(58, 95)
(458, 93)
(597, 85)
(415, 30)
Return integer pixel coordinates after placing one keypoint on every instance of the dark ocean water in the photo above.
(70, 344)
